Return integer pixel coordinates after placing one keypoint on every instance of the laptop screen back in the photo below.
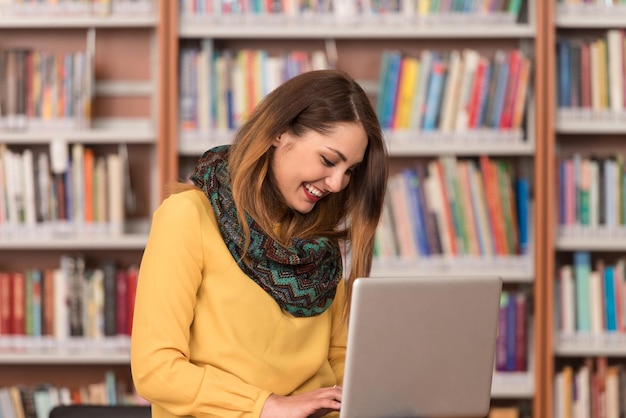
(421, 347)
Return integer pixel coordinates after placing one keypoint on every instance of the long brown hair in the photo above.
(313, 101)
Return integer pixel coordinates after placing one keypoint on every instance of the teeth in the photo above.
(313, 190)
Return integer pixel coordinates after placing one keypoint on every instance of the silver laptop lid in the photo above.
(421, 347)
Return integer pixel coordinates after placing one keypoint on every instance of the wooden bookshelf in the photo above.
(126, 113)
(572, 130)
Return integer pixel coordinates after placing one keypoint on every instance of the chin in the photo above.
(304, 209)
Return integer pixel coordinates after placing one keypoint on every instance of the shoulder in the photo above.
(189, 205)
(185, 200)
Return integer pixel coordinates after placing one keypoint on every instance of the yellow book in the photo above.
(603, 74)
(423, 7)
(406, 92)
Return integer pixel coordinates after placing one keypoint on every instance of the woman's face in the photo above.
(308, 168)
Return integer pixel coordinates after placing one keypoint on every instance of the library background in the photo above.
(503, 120)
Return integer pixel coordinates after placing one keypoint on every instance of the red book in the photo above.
(585, 76)
(6, 304)
(521, 327)
(479, 84)
(131, 273)
(19, 303)
(515, 62)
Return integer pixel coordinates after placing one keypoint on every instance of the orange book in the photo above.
(503, 412)
(48, 302)
(492, 195)
(522, 93)
(88, 186)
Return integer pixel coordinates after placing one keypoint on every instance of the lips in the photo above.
(310, 196)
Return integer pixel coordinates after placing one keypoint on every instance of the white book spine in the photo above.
(28, 176)
(115, 189)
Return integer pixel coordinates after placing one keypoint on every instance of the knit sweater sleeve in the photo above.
(169, 279)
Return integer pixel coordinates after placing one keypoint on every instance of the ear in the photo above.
(280, 139)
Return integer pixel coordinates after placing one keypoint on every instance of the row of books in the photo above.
(591, 72)
(219, 89)
(595, 389)
(45, 90)
(70, 191)
(36, 401)
(457, 91)
(590, 298)
(454, 207)
(591, 6)
(73, 300)
(512, 341)
(353, 10)
(591, 191)
(13, 8)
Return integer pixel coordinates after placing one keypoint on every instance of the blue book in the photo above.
(37, 294)
(482, 102)
(433, 94)
(522, 201)
(417, 211)
(562, 203)
(382, 77)
(564, 72)
(391, 89)
(582, 270)
(502, 79)
(609, 298)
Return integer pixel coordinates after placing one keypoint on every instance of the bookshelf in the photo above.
(356, 45)
(125, 45)
(584, 341)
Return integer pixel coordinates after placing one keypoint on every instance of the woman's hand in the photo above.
(314, 404)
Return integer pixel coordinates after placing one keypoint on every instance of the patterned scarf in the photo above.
(302, 278)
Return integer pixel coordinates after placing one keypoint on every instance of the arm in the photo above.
(169, 278)
(339, 335)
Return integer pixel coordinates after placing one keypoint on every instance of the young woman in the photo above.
(241, 305)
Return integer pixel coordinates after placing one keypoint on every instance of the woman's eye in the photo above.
(327, 162)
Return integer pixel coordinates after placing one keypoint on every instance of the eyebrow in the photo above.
(339, 153)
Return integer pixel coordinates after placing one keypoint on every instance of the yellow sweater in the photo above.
(207, 340)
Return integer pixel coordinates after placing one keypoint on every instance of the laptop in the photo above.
(421, 347)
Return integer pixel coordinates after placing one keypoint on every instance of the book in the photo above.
(470, 63)
(406, 91)
(582, 270)
(416, 211)
(563, 48)
(433, 94)
(419, 106)
(450, 100)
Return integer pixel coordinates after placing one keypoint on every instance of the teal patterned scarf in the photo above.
(301, 278)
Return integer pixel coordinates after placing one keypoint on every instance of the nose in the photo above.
(336, 181)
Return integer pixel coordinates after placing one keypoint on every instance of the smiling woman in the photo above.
(241, 304)
(306, 169)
